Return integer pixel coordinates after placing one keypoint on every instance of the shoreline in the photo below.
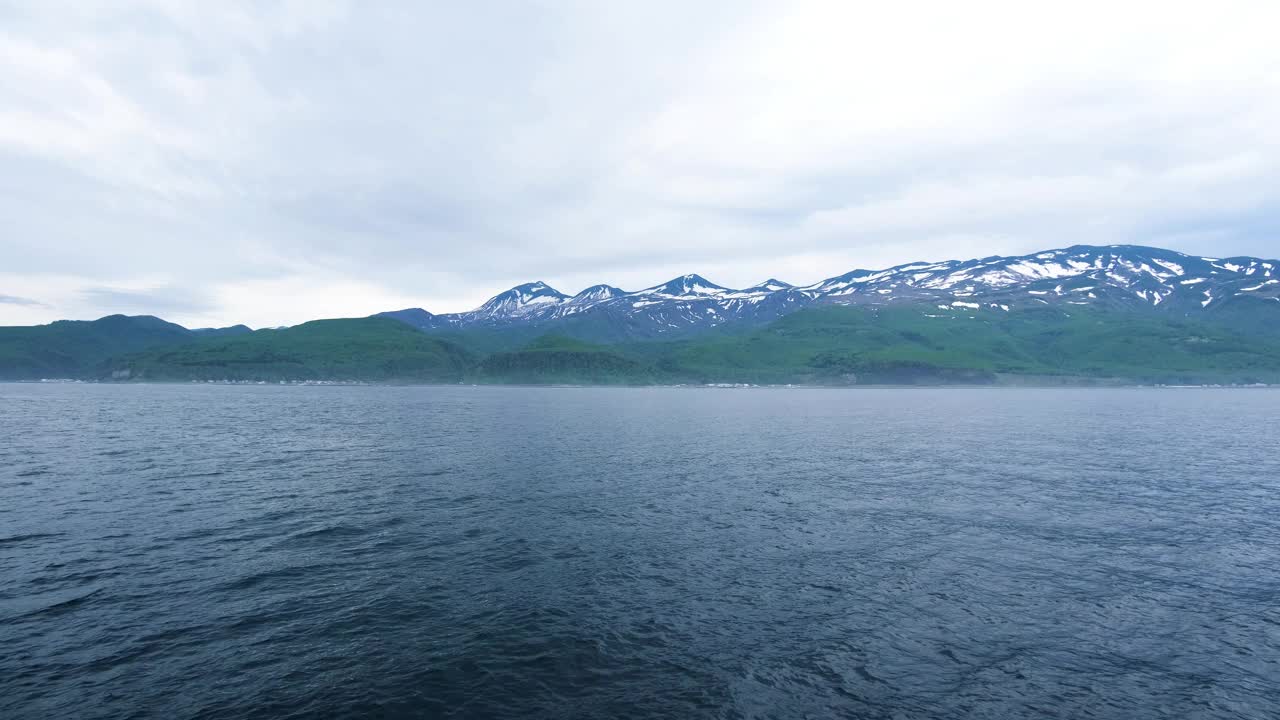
(1086, 384)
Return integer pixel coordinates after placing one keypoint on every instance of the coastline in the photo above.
(1066, 384)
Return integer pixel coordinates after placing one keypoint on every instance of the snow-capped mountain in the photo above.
(1127, 277)
(770, 285)
(1081, 275)
(530, 300)
(593, 295)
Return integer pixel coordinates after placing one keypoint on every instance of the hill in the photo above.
(556, 359)
(908, 345)
(368, 349)
(73, 348)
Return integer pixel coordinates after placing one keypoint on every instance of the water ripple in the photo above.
(225, 552)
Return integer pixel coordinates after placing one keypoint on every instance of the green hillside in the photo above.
(555, 359)
(371, 349)
(73, 348)
(842, 345)
(832, 345)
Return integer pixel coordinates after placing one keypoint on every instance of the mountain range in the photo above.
(1238, 291)
(1121, 314)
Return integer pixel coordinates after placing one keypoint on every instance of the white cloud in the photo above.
(306, 159)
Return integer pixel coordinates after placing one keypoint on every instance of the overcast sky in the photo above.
(274, 162)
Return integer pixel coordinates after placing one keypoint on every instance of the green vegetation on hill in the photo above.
(73, 348)
(373, 349)
(486, 341)
(832, 345)
(853, 345)
(556, 359)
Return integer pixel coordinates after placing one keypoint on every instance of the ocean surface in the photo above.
(380, 552)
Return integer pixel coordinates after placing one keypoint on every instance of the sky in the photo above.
(268, 163)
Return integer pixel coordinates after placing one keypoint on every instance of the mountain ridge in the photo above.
(1125, 314)
(1133, 277)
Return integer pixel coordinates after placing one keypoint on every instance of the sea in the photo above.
(209, 551)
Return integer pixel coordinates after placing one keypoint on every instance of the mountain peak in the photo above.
(528, 292)
(419, 312)
(417, 317)
(535, 289)
(520, 300)
(771, 285)
(691, 284)
(596, 293)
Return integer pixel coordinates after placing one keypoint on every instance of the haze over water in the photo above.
(313, 552)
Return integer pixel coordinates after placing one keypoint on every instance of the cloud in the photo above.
(25, 302)
(286, 161)
(159, 301)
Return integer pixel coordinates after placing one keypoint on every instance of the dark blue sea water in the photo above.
(266, 552)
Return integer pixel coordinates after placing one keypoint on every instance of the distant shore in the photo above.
(1078, 383)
